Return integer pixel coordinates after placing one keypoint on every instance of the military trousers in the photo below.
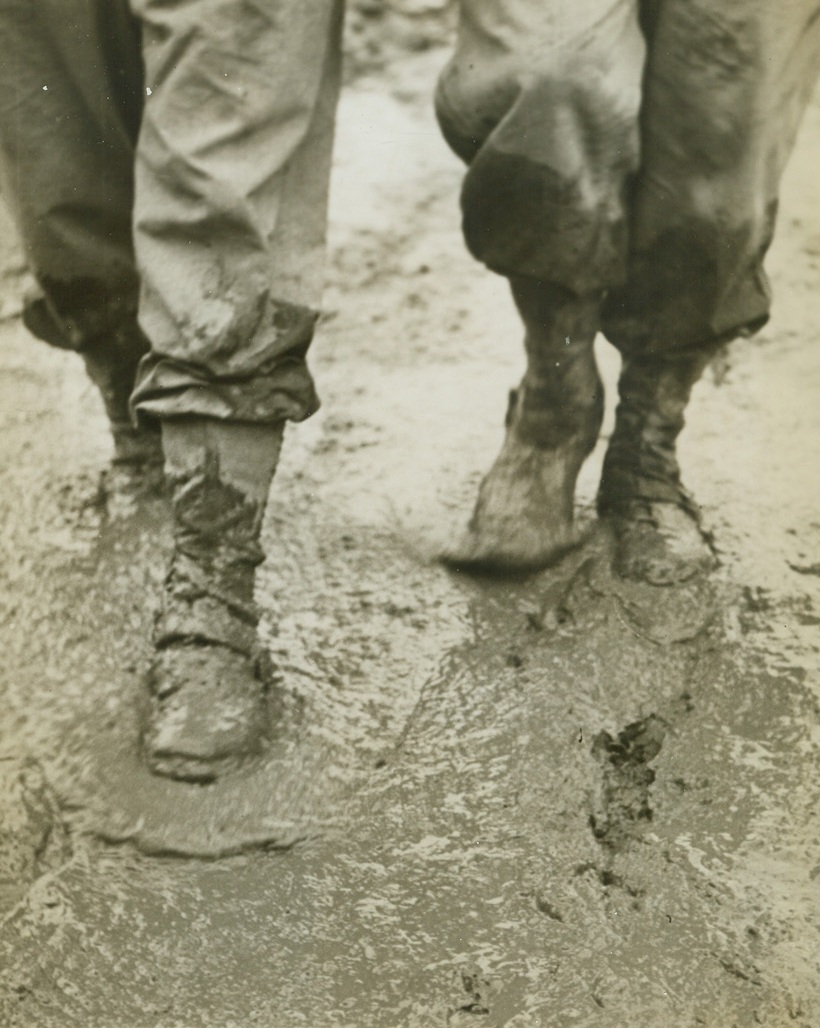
(169, 160)
(633, 149)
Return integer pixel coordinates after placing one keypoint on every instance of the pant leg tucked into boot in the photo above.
(208, 679)
(657, 527)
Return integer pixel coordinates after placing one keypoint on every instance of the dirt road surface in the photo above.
(560, 801)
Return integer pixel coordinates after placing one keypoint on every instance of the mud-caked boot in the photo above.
(208, 679)
(656, 522)
(523, 517)
(111, 363)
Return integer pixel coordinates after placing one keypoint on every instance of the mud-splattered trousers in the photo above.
(170, 159)
(633, 149)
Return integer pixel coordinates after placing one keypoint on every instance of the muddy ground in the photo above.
(558, 801)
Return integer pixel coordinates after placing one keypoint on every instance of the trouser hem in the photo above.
(169, 388)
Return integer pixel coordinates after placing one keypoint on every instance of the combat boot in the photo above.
(208, 678)
(523, 517)
(111, 363)
(656, 522)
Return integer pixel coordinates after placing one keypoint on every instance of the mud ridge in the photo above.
(34, 838)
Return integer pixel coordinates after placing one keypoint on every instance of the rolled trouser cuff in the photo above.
(169, 388)
(696, 287)
(543, 103)
(543, 194)
(273, 386)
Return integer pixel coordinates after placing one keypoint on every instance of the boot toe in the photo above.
(660, 544)
(208, 711)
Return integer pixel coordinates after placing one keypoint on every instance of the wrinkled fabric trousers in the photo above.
(632, 148)
(170, 159)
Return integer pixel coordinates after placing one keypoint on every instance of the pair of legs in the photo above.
(624, 160)
(173, 160)
(523, 519)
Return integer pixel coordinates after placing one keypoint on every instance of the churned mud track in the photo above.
(557, 801)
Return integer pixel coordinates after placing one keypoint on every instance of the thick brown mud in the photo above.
(562, 800)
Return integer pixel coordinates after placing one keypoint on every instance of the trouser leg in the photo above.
(541, 100)
(231, 203)
(230, 218)
(70, 102)
(69, 113)
(724, 93)
(726, 86)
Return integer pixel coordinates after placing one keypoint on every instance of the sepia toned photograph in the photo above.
(409, 513)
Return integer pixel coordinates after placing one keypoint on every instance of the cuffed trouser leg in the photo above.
(726, 86)
(546, 103)
(541, 99)
(232, 174)
(70, 101)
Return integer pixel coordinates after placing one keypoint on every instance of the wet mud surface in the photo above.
(562, 800)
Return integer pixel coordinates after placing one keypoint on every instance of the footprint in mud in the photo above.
(33, 837)
(623, 805)
(667, 614)
(474, 994)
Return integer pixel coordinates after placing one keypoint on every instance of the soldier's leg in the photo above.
(233, 167)
(208, 677)
(724, 93)
(70, 101)
(523, 516)
(542, 100)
